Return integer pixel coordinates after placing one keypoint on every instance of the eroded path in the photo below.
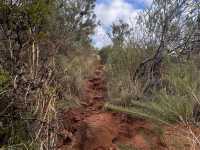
(90, 127)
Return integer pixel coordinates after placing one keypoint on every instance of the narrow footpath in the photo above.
(90, 127)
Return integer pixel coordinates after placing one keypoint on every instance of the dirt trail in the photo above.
(91, 128)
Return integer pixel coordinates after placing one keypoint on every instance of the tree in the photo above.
(32, 34)
(120, 31)
(23, 27)
(165, 24)
(21, 23)
(74, 22)
(195, 41)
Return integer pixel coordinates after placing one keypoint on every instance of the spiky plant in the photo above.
(174, 102)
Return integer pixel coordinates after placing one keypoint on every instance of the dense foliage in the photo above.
(46, 53)
(155, 76)
(34, 36)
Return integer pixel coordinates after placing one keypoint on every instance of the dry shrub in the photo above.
(72, 73)
(121, 64)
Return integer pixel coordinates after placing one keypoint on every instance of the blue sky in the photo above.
(135, 3)
(109, 11)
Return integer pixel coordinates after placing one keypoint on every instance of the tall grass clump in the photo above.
(174, 101)
(121, 64)
(72, 73)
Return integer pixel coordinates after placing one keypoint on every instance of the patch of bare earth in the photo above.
(91, 128)
(180, 137)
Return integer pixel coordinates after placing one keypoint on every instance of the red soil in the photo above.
(91, 128)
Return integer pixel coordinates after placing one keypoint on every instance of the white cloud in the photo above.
(111, 11)
(147, 2)
(116, 9)
(100, 39)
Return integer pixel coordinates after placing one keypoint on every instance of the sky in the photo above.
(109, 11)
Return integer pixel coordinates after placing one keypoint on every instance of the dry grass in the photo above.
(74, 71)
(47, 125)
(182, 137)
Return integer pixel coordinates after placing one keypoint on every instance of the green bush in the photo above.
(167, 109)
(121, 64)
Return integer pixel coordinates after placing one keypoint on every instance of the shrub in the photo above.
(121, 64)
(174, 101)
(71, 75)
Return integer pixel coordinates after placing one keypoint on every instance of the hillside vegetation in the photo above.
(54, 83)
